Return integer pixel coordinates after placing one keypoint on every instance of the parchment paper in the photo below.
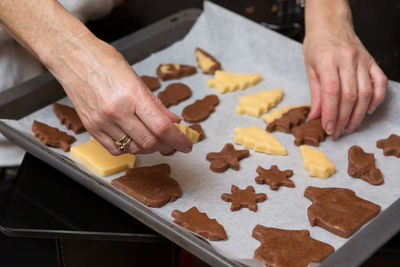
(245, 47)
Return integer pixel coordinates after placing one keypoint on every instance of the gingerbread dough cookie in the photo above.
(288, 248)
(174, 93)
(245, 198)
(362, 165)
(390, 145)
(69, 118)
(316, 163)
(274, 177)
(258, 103)
(151, 82)
(200, 109)
(150, 185)
(174, 71)
(290, 119)
(228, 158)
(207, 62)
(226, 81)
(197, 127)
(97, 159)
(199, 223)
(309, 133)
(339, 210)
(257, 139)
(53, 137)
(278, 112)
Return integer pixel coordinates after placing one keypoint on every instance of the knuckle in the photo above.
(331, 88)
(161, 127)
(350, 95)
(109, 109)
(349, 53)
(365, 93)
(149, 143)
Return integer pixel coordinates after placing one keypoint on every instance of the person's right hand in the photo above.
(112, 101)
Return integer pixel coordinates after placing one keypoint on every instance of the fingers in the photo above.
(161, 125)
(330, 86)
(348, 96)
(315, 90)
(363, 99)
(379, 83)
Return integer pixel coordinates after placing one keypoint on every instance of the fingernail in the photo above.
(187, 149)
(351, 128)
(371, 111)
(335, 136)
(329, 128)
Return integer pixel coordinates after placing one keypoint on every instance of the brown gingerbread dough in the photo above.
(362, 165)
(150, 185)
(228, 158)
(51, 136)
(151, 82)
(69, 118)
(174, 93)
(245, 198)
(339, 210)
(274, 177)
(200, 109)
(207, 62)
(288, 248)
(309, 133)
(174, 71)
(197, 127)
(390, 145)
(290, 119)
(199, 223)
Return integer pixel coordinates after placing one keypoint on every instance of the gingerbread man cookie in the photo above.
(390, 145)
(174, 94)
(228, 158)
(151, 82)
(200, 109)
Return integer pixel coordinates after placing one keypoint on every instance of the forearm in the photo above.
(42, 27)
(327, 16)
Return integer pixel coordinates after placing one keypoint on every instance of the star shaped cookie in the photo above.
(245, 198)
(228, 158)
(274, 177)
(390, 145)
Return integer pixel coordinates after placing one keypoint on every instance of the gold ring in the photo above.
(123, 143)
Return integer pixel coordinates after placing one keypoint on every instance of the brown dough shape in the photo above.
(290, 119)
(228, 158)
(151, 82)
(288, 248)
(53, 137)
(200, 109)
(339, 210)
(174, 72)
(150, 185)
(390, 145)
(197, 127)
(274, 177)
(362, 165)
(199, 223)
(174, 93)
(69, 118)
(245, 198)
(216, 64)
(309, 133)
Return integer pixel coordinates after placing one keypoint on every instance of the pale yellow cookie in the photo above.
(258, 103)
(226, 81)
(259, 140)
(316, 163)
(190, 133)
(97, 159)
(278, 112)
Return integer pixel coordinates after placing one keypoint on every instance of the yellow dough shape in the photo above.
(258, 103)
(278, 112)
(259, 140)
(97, 159)
(316, 163)
(227, 81)
(190, 133)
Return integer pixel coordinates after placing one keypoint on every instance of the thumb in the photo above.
(315, 90)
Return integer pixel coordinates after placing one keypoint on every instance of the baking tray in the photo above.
(37, 93)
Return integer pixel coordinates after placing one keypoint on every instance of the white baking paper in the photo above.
(246, 47)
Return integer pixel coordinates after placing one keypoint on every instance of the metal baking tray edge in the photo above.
(362, 245)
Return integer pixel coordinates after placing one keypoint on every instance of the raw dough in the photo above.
(258, 103)
(316, 163)
(189, 132)
(278, 112)
(227, 81)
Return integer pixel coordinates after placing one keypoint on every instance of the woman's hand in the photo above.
(109, 97)
(345, 81)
